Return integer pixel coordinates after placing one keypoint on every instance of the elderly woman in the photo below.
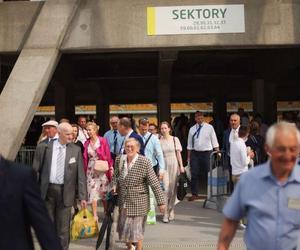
(96, 148)
(133, 174)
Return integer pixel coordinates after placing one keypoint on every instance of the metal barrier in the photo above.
(218, 180)
(25, 155)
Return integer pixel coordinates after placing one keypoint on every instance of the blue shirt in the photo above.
(109, 135)
(273, 222)
(153, 151)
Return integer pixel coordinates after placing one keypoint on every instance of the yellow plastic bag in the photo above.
(84, 225)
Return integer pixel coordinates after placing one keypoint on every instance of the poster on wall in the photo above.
(201, 19)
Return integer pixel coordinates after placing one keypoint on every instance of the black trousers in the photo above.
(200, 162)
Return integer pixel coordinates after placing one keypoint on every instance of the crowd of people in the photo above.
(74, 164)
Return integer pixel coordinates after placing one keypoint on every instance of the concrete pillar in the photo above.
(102, 111)
(64, 102)
(220, 108)
(32, 72)
(270, 114)
(63, 92)
(166, 61)
(258, 96)
(265, 100)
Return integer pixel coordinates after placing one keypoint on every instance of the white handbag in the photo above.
(101, 166)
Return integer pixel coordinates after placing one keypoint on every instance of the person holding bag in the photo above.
(171, 148)
(98, 166)
(132, 178)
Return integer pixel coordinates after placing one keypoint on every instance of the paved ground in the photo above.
(193, 228)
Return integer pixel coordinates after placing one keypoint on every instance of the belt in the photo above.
(55, 185)
(205, 151)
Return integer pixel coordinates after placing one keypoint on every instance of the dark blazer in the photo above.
(134, 188)
(74, 173)
(139, 138)
(226, 144)
(22, 207)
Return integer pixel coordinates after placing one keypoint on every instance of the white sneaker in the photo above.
(132, 247)
(172, 215)
(166, 218)
(242, 226)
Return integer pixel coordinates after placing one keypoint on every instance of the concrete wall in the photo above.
(117, 24)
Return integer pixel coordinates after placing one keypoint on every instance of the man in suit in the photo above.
(124, 127)
(229, 135)
(59, 166)
(21, 207)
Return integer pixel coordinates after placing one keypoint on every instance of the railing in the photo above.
(25, 155)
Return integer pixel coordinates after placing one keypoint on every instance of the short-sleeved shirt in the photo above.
(204, 140)
(272, 208)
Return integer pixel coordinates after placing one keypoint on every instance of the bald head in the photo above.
(114, 122)
(65, 133)
(234, 121)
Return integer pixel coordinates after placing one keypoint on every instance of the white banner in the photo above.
(201, 19)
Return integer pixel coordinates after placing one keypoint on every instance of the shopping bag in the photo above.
(84, 225)
(188, 172)
(151, 216)
(182, 185)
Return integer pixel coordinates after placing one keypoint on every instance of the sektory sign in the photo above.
(202, 19)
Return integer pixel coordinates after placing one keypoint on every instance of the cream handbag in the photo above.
(101, 166)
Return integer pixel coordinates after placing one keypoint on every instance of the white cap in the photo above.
(50, 123)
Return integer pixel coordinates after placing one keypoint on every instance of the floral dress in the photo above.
(97, 184)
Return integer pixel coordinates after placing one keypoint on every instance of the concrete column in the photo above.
(102, 111)
(265, 100)
(258, 96)
(32, 72)
(166, 61)
(270, 114)
(220, 108)
(64, 102)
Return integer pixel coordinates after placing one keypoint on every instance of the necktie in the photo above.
(196, 134)
(60, 164)
(115, 141)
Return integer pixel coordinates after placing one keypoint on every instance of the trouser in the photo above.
(59, 213)
(200, 163)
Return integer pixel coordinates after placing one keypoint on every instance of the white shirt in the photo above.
(56, 146)
(234, 134)
(207, 139)
(82, 135)
(239, 159)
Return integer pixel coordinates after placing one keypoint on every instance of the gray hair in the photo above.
(64, 127)
(284, 127)
(134, 140)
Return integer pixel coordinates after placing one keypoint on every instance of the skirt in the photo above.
(131, 228)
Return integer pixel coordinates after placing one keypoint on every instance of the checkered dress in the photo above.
(133, 189)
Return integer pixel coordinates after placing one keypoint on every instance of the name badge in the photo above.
(72, 160)
(294, 203)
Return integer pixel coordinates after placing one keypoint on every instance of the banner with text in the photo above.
(202, 19)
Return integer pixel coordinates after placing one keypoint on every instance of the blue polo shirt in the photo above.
(272, 208)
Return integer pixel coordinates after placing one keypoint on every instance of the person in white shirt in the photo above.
(202, 140)
(82, 132)
(240, 156)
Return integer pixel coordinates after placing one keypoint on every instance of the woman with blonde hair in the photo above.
(96, 148)
(171, 148)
